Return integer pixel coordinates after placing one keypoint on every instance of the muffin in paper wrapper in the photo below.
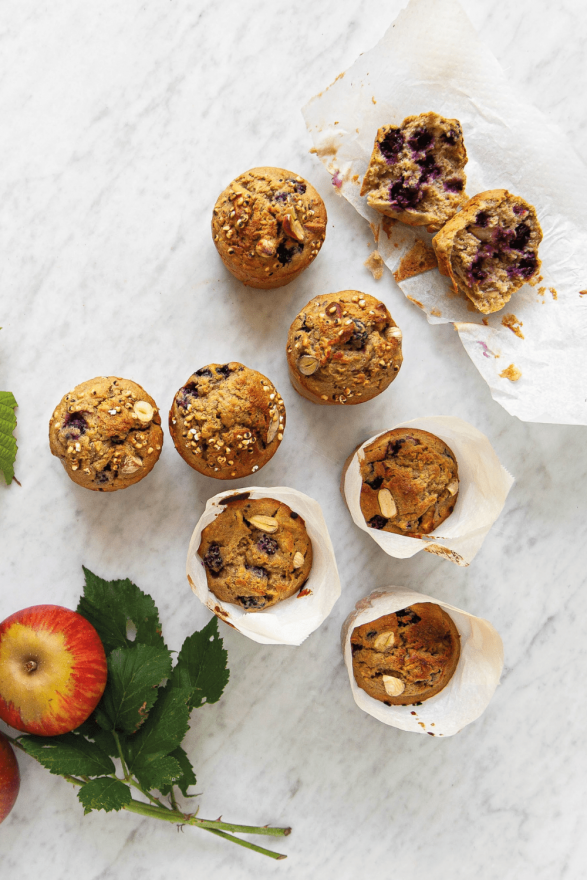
(483, 488)
(291, 621)
(468, 692)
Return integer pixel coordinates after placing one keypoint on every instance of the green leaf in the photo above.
(104, 793)
(7, 441)
(201, 666)
(110, 605)
(131, 690)
(163, 731)
(187, 778)
(159, 774)
(103, 738)
(69, 753)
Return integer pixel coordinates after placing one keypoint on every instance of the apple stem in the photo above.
(30, 665)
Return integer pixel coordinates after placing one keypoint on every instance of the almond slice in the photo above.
(393, 686)
(307, 365)
(453, 487)
(264, 523)
(293, 228)
(273, 427)
(143, 411)
(298, 560)
(384, 641)
(130, 465)
(386, 503)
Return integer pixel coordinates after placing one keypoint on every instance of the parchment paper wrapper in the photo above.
(483, 488)
(432, 59)
(291, 621)
(470, 689)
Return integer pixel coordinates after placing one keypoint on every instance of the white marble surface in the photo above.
(121, 123)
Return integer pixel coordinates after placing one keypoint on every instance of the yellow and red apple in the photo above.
(52, 670)
(9, 777)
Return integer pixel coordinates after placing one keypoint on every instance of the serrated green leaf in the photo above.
(163, 731)
(104, 793)
(7, 440)
(187, 778)
(109, 605)
(201, 666)
(133, 676)
(69, 753)
(103, 738)
(159, 774)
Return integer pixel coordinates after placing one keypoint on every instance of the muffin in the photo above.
(227, 421)
(268, 225)
(107, 433)
(416, 172)
(490, 249)
(406, 657)
(410, 482)
(343, 348)
(256, 553)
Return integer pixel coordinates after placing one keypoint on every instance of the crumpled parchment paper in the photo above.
(431, 58)
(291, 621)
(470, 689)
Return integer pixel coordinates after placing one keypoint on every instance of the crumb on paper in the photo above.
(583, 293)
(439, 550)
(375, 231)
(512, 373)
(416, 302)
(220, 612)
(355, 178)
(534, 281)
(486, 351)
(554, 293)
(541, 291)
(386, 225)
(485, 321)
(305, 592)
(374, 101)
(513, 324)
(328, 145)
(436, 312)
(336, 123)
(420, 258)
(375, 264)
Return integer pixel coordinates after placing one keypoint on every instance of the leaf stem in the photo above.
(120, 755)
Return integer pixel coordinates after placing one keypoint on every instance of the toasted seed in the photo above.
(386, 503)
(307, 365)
(298, 560)
(264, 523)
(453, 487)
(394, 333)
(143, 411)
(393, 686)
(130, 465)
(383, 641)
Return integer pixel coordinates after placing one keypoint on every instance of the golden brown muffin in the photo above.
(107, 433)
(490, 248)
(268, 226)
(343, 348)
(416, 172)
(406, 657)
(410, 482)
(227, 421)
(256, 552)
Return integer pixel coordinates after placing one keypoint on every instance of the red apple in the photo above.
(52, 670)
(9, 778)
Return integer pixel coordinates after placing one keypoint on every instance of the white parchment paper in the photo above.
(469, 691)
(291, 621)
(432, 59)
(483, 488)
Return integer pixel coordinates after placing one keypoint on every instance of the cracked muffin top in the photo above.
(416, 171)
(490, 248)
(343, 348)
(227, 421)
(268, 225)
(256, 552)
(410, 482)
(107, 433)
(406, 657)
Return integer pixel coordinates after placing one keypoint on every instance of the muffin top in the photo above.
(107, 433)
(410, 482)
(344, 348)
(227, 421)
(406, 657)
(256, 552)
(268, 225)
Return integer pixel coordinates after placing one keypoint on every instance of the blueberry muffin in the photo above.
(227, 421)
(490, 248)
(406, 657)
(268, 225)
(416, 172)
(343, 348)
(256, 553)
(107, 433)
(410, 482)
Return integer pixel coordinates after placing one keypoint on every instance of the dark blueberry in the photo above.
(391, 145)
(527, 265)
(204, 371)
(186, 394)
(257, 571)
(371, 633)
(430, 170)
(421, 140)
(477, 271)
(360, 334)
(355, 648)
(375, 484)
(251, 601)
(522, 237)
(268, 545)
(393, 447)
(212, 559)
(377, 522)
(519, 209)
(301, 188)
(454, 185)
(406, 617)
(101, 477)
(450, 137)
(305, 326)
(284, 254)
(293, 515)
(280, 197)
(224, 370)
(117, 441)
(76, 425)
(403, 196)
(482, 219)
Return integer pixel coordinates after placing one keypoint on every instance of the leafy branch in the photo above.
(7, 442)
(143, 715)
